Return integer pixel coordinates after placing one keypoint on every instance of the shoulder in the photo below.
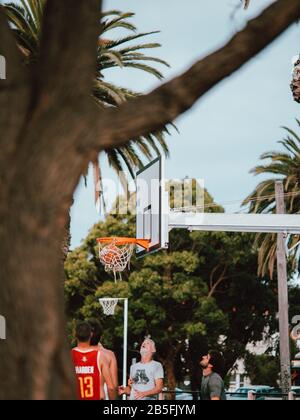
(108, 353)
(156, 364)
(157, 367)
(136, 366)
(102, 357)
(215, 378)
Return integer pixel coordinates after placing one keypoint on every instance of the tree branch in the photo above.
(68, 49)
(212, 274)
(150, 112)
(218, 282)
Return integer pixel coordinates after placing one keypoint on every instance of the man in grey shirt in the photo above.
(146, 377)
(212, 387)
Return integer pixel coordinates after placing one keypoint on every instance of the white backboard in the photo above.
(152, 209)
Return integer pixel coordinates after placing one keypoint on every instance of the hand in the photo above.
(121, 390)
(139, 395)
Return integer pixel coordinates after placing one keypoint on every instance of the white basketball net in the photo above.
(115, 258)
(109, 305)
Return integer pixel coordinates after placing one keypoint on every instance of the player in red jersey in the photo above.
(90, 365)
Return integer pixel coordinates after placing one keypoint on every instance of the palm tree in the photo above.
(26, 17)
(285, 166)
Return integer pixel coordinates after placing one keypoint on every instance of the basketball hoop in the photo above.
(109, 305)
(115, 253)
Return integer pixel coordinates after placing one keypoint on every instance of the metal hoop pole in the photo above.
(125, 342)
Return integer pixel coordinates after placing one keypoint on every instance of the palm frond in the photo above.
(18, 18)
(111, 13)
(113, 57)
(127, 162)
(143, 146)
(29, 10)
(292, 133)
(119, 22)
(145, 68)
(142, 57)
(108, 94)
(139, 47)
(154, 141)
(129, 38)
(114, 160)
(159, 137)
(25, 30)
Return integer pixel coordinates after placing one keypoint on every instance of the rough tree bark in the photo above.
(170, 376)
(37, 180)
(49, 131)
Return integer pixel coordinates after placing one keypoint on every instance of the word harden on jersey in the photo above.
(84, 370)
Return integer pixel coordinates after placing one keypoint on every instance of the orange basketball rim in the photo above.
(119, 241)
(115, 253)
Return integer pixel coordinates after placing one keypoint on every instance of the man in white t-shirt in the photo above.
(146, 377)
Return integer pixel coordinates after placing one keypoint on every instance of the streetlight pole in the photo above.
(285, 358)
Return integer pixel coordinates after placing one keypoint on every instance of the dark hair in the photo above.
(217, 361)
(83, 332)
(96, 331)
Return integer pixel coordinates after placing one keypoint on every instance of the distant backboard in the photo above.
(152, 207)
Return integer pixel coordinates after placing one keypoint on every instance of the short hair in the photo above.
(83, 332)
(96, 331)
(152, 344)
(217, 362)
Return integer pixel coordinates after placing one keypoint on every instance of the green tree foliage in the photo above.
(202, 293)
(263, 369)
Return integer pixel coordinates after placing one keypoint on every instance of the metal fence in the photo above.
(231, 396)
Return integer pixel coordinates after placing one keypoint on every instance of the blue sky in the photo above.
(222, 137)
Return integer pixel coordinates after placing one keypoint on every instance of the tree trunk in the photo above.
(34, 353)
(35, 360)
(170, 375)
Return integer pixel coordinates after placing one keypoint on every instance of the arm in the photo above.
(102, 392)
(126, 389)
(152, 392)
(215, 389)
(114, 370)
(104, 368)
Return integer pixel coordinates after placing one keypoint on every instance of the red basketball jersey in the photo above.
(87, 373)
